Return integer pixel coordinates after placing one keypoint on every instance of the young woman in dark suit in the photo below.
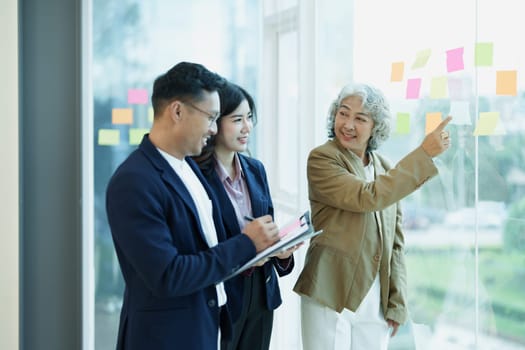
(241, 186)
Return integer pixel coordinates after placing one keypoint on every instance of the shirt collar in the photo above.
(174, 162)
(223, 174)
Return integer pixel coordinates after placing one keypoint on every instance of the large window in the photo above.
(465, 231)
(133, 42)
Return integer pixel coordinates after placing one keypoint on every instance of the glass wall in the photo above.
(133, 42)
(465, 230)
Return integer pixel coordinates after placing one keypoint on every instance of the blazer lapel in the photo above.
(216, 200)
(254, 187)
(169, 176)
(378, 170)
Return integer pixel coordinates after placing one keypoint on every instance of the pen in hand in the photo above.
(248, 218)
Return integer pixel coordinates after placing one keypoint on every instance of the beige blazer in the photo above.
(361, 223)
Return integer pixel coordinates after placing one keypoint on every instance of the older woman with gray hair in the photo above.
(353, 284)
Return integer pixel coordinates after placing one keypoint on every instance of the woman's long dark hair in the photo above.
(230, 96)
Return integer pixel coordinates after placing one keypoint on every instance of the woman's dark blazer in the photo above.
(261, 202)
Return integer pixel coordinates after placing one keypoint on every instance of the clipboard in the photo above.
(294, 232)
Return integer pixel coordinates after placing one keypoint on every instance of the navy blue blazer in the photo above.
(261, 202)
(170, 300)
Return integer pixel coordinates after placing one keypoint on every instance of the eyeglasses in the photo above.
(212, 117)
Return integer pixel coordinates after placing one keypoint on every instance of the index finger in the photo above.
(444, 123)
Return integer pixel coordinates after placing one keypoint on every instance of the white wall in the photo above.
(9, 152)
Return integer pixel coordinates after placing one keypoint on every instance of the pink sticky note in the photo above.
(122, 116)
(397, 71)
(413, 87)
(455, 60)
(138, 96)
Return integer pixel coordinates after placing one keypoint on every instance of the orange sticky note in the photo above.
(397, 71)
(122, 116)
(433, 120)
(506, 82)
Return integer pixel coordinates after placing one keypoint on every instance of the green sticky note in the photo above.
(108, 137)
(150, 114)
(136, 134)
(487, 123)
(484, 54)
(403, 123)
(421, 58)
(438, 87)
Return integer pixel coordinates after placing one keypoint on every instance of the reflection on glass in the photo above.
(133, 42)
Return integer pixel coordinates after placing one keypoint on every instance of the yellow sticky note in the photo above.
(136, 134)
(397, 71)
(150, 114)
(108, 137)
(483, 54)
(507, 82)
(438, 87)
(487, 123)
(122, 116)
(433, 119)
(421, 58)
(403, 123)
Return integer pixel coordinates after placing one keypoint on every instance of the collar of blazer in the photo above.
(255, 183)
(169, 176)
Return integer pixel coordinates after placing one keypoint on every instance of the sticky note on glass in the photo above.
(122, 116)
(507, 82)
(108, 137)
(455, 60)
(136, 135)
(421, 58)
(460, 112)
(403, 123)
(483, 54)
(487, 123)
(433, 119)
(413, 87)
(438, 87)
(137, 96)
(150, 114)
(455, 88)
(398, 69)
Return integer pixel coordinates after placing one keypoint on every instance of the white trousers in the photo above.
(326, 329)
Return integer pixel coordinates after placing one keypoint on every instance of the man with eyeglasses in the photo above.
(166, 226)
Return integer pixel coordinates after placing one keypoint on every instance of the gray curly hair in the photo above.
(374, 103)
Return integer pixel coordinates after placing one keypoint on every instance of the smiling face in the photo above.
(235, 130)
(353, 126)
(197, 123)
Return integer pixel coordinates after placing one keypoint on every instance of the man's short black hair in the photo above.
(186, 81)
